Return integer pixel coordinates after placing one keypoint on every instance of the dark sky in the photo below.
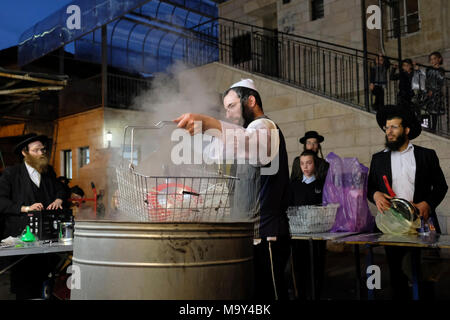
(16, 16)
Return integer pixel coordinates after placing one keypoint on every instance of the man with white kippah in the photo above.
(262, 187)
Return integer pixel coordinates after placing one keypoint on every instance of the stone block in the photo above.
(363, 120)
(292, 114)
(293, 129)
(304, 99)
(362, 138)
(343, 123)
(329, 109)
(292, 144)
(266, 90)
(339, 139)
(279, 102)
(322, 125)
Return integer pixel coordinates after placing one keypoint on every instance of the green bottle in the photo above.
(28, 236)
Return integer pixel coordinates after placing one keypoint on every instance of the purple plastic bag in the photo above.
(346, 184)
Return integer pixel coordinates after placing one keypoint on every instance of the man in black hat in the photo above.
(414, 174)
(29, 186)
(311, 141)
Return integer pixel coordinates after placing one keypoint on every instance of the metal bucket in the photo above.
(190, 261)
(66, 232)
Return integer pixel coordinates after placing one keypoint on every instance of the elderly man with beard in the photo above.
(29, 186)
(260, 192)
(414, 174)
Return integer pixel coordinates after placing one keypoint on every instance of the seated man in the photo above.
(29, 186)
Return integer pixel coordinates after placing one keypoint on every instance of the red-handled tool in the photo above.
(388, 187)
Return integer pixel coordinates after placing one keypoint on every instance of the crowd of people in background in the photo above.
(420, 88)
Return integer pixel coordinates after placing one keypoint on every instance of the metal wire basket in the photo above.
(174, 199)
(311, 219)
(199, 198)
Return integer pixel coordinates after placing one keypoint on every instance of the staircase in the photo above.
(326, 69)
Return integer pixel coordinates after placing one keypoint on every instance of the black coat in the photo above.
(16, 190)
(429, 183)
(405, 91)
(302, 194)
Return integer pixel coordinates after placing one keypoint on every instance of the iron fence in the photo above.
(330, 70)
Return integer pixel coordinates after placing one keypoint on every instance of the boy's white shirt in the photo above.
(229, 147)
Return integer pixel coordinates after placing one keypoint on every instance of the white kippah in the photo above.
(247, 83)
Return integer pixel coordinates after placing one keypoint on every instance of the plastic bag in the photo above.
(346, 184)
(418, 80)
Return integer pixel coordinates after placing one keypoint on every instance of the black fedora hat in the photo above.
(407, 116)
(29, 138)
(311, 134)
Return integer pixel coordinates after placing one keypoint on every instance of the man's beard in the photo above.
(395, 145)
(247, 115)
(39, 163)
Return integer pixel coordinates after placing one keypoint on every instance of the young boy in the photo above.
(303, 192)
(308, 189)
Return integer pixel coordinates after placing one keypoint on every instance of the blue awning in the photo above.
(142, 36)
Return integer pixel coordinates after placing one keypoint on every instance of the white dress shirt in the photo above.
(34, 175)
(403, 166)
(309, 180)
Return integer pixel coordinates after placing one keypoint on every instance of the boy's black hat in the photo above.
(407, 116)
(311, 134)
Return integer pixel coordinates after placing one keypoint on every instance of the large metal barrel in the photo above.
(126, 260)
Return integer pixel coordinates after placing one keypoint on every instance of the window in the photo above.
(409, 22)
(317, 11)
(241, 48)
(84, 156)
(67, 163)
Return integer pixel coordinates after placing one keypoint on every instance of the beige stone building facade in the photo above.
(425, 26)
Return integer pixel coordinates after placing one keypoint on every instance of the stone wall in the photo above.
(348, 132)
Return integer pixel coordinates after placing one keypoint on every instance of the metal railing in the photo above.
(86, 94)
(122, 90)
(330, 70)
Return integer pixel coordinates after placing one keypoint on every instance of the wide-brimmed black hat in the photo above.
(407, 116)
(29, 138)
(309, 135)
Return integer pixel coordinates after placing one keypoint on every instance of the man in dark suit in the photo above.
(28, 186)
(414, 174)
